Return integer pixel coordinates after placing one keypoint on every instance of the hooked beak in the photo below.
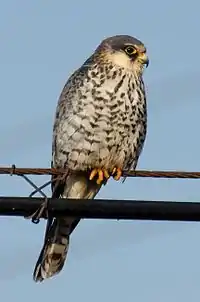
(143, 59)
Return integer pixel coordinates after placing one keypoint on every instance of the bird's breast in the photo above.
(107, 120)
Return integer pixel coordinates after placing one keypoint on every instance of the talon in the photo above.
(101, 173)
(93, 174)
(117, 172)
(114, 171)
(100, 177)
(106, 174)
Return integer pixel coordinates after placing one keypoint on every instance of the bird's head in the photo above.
(124, 51)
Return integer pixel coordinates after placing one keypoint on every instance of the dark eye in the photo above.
(130, 50)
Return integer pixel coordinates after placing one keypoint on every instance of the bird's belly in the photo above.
(103, 149)
(108, 138)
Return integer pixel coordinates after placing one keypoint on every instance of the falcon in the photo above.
(99, 131)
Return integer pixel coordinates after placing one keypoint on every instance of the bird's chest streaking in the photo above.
(107, 124)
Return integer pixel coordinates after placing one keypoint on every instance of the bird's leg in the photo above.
(101, 174)
(117, 173)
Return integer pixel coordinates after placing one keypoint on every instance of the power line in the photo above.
(138, 173)
(103, 209)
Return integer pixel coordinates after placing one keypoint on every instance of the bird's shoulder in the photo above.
(77, 79)
(69, 93)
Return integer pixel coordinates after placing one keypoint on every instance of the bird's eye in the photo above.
(130, 50)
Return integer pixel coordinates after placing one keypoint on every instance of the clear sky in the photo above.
(42, 42)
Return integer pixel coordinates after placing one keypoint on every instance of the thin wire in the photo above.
(138, 173)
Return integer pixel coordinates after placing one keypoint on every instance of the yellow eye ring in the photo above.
(130, 50)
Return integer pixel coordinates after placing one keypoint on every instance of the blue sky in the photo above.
(42, 42)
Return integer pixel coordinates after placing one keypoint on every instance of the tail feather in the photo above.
(54, 252)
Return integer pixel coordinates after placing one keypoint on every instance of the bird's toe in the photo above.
(99, 175)
(117, 173)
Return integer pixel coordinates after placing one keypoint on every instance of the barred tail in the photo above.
(53, 254)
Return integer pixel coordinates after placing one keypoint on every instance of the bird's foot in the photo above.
(101, 174)
(117, 173)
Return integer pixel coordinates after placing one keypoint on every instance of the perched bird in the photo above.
(99, 130)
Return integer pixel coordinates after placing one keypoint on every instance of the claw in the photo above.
(106, 174)
(114, 170)
(117, 173)
(101, 173)
(93, 174)
(100, 177)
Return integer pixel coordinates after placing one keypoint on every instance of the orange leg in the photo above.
(101, 175)
(117, 173)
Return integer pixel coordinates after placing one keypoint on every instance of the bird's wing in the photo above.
(74, 185)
